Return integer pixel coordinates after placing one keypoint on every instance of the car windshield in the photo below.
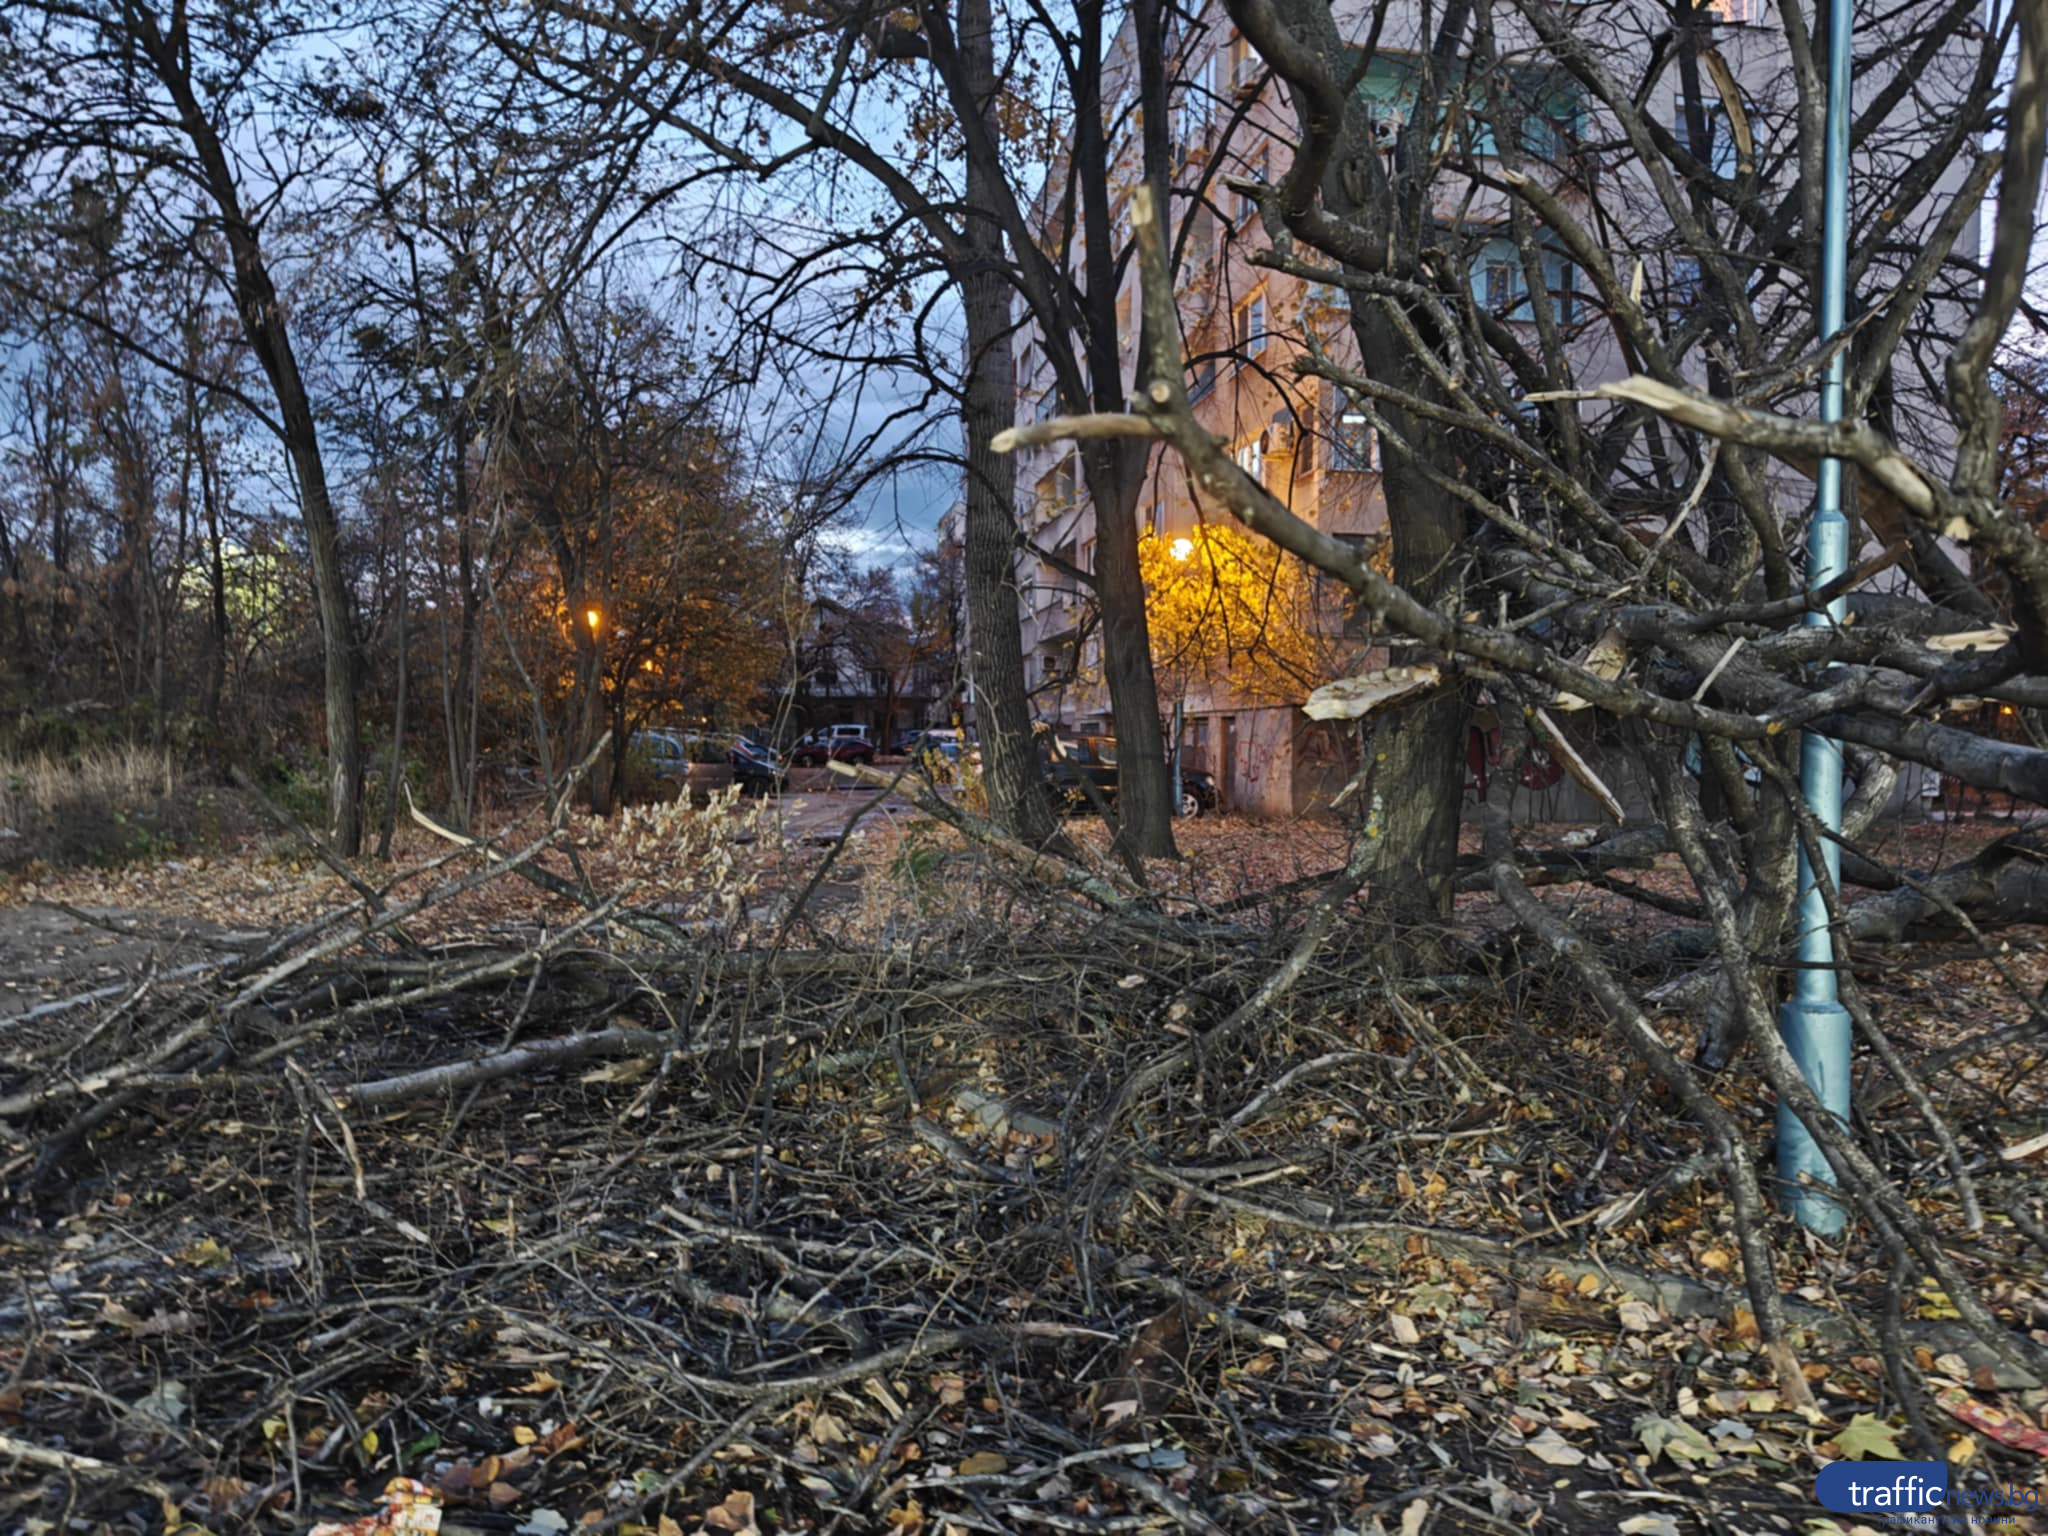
(1105, 750)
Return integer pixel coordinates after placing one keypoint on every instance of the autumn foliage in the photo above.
(1227, 608)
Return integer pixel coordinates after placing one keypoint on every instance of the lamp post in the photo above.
(1814, 1023)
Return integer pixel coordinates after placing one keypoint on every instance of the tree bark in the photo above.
(1115, 468)
(1017, 797)
(1373, 222)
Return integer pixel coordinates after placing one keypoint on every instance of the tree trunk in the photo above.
(1381, 223)
(264, 326)
(395, 773)
(1017, 798)
(1115, 471)
(458, 680)
(217, 584)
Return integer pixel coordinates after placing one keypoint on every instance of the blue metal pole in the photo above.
(1814, 1023)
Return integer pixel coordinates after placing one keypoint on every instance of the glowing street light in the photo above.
(1180, 549)
(594, 617)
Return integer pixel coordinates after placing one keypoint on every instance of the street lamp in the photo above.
(1815, 1025)
(1181, 548)
(594, 618)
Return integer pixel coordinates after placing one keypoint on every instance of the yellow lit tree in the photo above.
(1231, 610)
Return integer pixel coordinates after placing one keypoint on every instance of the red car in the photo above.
(833, 744)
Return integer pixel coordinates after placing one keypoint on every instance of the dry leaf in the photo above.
(735, 1514)
(1553, 1449)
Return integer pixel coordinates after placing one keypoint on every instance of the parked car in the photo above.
(833, 744)
(681, 757)
(1198, 793)
(944, 740)
(1074, 763)
(756, 769)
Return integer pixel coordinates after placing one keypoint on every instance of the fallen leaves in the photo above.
(410, 1508)
(1868, 1437)
(734, 1514)
(1554, 1450)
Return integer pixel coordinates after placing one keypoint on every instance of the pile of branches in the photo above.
(339, 1203)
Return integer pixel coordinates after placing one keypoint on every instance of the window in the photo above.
(1251, 325)
(1247, 205)
(1500, 284)
(1159, 517)
(1717, 150)
(1047, 405)
(1354, 446)
(1196, 112)
(1500, 287)
(1683, 291)
(1550, 103)
(1088, 555)
(1056, 488)
(1245, 65)
(1251, 458)
(1203, 381)
(1388, 94)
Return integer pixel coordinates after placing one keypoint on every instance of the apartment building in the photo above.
(1244, 326)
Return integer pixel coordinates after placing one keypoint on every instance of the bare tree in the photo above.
(156, 119)
(1648, 350)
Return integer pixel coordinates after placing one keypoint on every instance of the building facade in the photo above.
(1245, 326)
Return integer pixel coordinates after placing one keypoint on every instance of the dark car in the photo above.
(1198, 796)
(944, 740)
(833, 744)
(1076, 764)
(755, 769)
(682, 757)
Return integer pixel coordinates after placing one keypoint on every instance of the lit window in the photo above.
(1251, 458)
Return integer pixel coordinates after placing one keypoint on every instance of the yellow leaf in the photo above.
(523, 1435)
(982, 1462)
(369, 1442)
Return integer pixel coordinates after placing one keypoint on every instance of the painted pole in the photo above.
(1173, 753)
(1814, 1023)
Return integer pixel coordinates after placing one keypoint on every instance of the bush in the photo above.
(103, 806)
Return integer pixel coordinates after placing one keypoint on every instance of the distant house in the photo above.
(858, 665)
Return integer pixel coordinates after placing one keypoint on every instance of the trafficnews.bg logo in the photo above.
(1884, 1491)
